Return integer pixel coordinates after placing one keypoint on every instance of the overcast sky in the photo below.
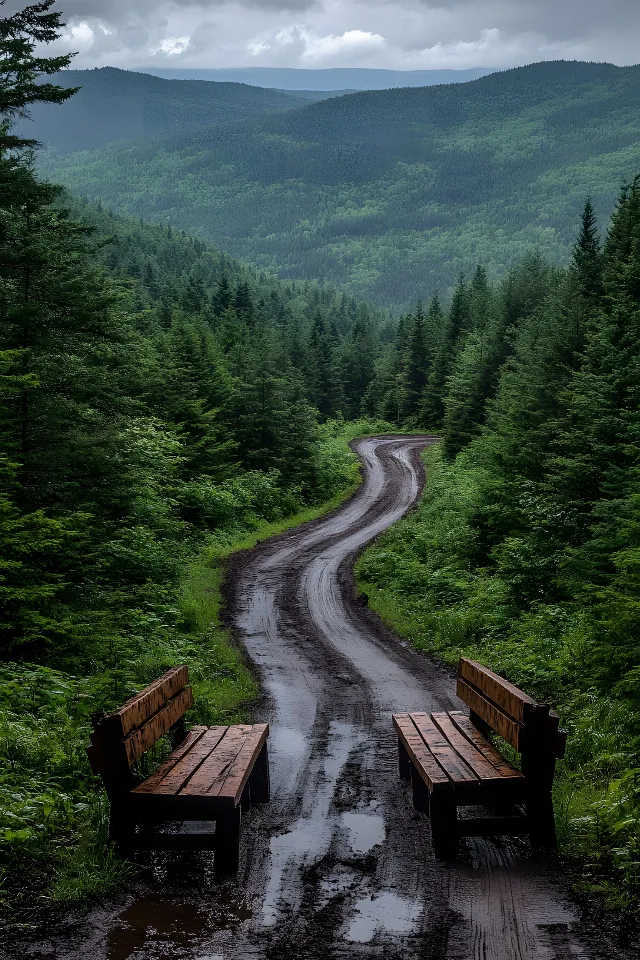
(400, 34)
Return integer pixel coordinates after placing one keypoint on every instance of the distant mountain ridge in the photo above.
(390, 193)
(329, 79)
(119, 105)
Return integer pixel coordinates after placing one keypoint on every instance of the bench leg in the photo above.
(542, 826)
(227, 842)
(122, 830)
(259, 779)
(245, 799)
(404, 763)
(420, 792)
(444, 825)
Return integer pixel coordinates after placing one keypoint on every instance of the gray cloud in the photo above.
(408, 34)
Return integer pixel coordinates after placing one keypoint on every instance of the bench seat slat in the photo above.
(444, 752)
(187, 763)
(479, 763)
(466, 727)
(218, 761)
(420, 755)
(189, 741)
(230, 784)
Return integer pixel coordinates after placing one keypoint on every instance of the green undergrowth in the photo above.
(53, 813)
(419, 580)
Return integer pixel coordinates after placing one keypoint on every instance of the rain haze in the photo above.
(392, 34)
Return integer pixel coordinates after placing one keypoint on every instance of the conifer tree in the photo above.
(417, 361)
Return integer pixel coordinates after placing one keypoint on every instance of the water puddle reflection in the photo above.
(310, 836)
(366, 831)
(385, 913)
(158, 927)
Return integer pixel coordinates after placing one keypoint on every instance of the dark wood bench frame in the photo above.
(213, 773)
(451, 762)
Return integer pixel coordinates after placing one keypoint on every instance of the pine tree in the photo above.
(454, 328)
(417, 361)
(20, 73)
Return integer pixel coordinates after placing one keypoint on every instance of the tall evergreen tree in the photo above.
(417, 361)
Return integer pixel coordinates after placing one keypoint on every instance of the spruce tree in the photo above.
(417, 361)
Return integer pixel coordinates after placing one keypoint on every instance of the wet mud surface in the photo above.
(338, 865)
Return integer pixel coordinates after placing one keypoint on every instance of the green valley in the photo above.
(391, 193)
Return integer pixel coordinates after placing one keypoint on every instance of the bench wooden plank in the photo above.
(149, 785)
(477, 761)
(217, 762)
(142, 739)
(466, 727)
(232, 782)
(442, 750)
(186, 766)
(504, 726)
(421, 757)
(512, 701)
(141, 707)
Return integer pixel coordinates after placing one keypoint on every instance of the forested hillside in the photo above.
(525, 551)
(117, 105)
(392, 193)
(159, 404)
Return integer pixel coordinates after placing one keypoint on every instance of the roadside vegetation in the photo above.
(524, 552)
(160, 406)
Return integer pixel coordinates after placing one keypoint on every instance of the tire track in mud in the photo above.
(338, 865)
(350, 871)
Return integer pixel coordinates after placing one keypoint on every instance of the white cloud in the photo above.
(81, 35)
(349, 44)
(173, 46)
(307, 45)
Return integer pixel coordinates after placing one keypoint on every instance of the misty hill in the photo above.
(391, 193)
(329, 79)
(116, 105)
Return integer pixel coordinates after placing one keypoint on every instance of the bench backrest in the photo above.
(120, 738)
(529, 727)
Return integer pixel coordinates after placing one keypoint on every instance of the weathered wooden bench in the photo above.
(213, 774)
(452, 763)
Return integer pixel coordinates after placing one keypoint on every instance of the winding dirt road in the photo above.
(339, 865)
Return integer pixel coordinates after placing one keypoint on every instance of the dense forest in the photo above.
(391, 193)
(159, 405)
(162, 404)
(524, 552)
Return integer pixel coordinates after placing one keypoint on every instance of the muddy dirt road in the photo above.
(339, 865)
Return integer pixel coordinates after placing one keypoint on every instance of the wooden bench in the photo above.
(214, 773)
(451, 762)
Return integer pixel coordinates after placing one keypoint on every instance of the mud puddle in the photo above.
(166, 927)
